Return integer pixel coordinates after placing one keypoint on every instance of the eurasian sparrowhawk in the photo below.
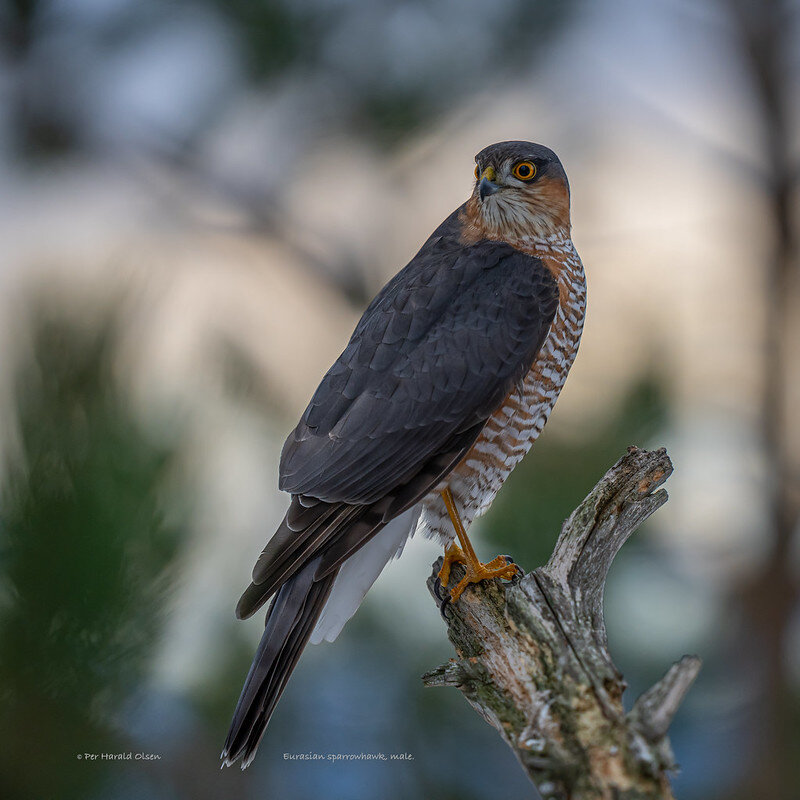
(448, 378)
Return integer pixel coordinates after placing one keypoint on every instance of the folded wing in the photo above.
(434, 355)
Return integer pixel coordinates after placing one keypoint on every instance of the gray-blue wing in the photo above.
(435, 354)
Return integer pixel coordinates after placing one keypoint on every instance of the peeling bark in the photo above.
(533, 657)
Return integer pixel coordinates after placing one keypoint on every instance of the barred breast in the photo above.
(515, 426)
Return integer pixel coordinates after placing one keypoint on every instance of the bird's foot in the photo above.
(500, 567)
(520, 573)
(453, 555)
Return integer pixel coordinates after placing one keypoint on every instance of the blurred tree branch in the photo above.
(533, 658)
(764, 30)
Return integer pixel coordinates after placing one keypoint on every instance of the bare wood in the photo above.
(533, 657)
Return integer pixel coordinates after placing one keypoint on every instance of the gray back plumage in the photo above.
(434, 354)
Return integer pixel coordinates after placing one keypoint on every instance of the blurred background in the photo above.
(199, 197)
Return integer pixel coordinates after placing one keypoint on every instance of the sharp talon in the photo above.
(443, 596)
(519, 573)
(443, 610)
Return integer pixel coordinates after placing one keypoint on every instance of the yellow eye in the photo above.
(525, 170)
(477, 172)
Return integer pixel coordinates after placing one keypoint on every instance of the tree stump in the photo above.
(533, 656)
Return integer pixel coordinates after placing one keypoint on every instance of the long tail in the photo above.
(290, 620)
(301, 562)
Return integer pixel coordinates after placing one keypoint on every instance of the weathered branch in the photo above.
(533, 657)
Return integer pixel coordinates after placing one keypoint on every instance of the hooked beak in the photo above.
(487, 185)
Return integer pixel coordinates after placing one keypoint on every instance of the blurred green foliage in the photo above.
(84, 556)
(348, 43)
(377, 69)
(275, 35)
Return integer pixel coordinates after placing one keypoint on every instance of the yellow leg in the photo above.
(499, 567)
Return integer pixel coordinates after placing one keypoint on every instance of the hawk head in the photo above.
(521, 190)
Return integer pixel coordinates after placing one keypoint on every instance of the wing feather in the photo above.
(435, 353)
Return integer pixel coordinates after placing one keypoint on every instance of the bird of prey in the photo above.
(448, 378)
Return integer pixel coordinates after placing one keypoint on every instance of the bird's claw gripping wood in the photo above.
(476, 571)
(499, 567)
(519, 574)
